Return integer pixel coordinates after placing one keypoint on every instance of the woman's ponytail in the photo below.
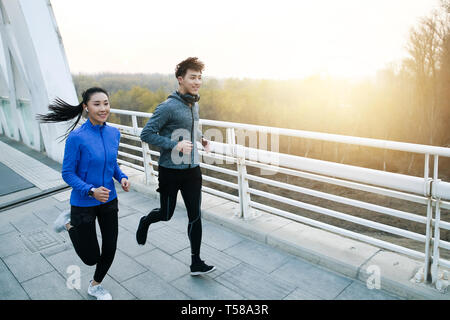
(63, 111)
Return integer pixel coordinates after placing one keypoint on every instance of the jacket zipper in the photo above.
(192, 136)
(104, 153)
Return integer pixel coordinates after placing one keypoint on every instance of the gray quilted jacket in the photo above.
(174, 120)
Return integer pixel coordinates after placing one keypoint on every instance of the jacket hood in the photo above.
(175, 95)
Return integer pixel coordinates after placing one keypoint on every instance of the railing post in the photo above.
(150, 177)
(437, 220)
(244, 195)
(437, 237)
(428, 232)
(135, 124)
(245, 210)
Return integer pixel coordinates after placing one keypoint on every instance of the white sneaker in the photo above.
(60, 222)
(99, 292)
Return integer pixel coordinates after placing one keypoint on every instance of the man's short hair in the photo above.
(190, 63)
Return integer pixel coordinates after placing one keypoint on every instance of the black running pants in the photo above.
(189, 182)
(84, 236)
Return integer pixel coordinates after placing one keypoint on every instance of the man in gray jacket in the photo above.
(173, 127)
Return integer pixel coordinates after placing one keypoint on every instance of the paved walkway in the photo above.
(36, 263)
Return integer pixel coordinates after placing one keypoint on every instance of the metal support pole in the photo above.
(150, 176)
(437, 237)
(437, 220)
(428, 252)
(135, 124)
(244, 194)
(429, 230)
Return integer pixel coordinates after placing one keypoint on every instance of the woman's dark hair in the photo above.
(62, 111)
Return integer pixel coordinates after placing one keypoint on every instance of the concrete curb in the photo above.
(343, 255)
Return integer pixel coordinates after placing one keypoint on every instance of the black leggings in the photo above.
(189, 182)
(84, 235)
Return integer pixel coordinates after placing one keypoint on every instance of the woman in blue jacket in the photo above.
(89, 166)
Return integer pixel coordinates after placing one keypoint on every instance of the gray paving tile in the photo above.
(124, 267)
(222, 261)
(26, 266)
(117, 291)
(204, 288)
(144, 206)
(168, 239)
(10, 287)
(63, 195)
(6, 227)
(210, 201)
(219, 237)
(178, 222)
(27, 223)
(132, 198)
(3, 266)
(10, 244)
(131, 223)
(163, 265)
(359, 291)
(313, 279)
(299, 294)
(259, 255)
(148, 286)
(125, 210)
(50, 286)
(253, 283)
(64, 205)
(57, 249)
(126, 243)
(40, 204)
(65, 235)
(63, 260)
(48, 215)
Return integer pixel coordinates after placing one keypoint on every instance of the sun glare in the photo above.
(245, 39)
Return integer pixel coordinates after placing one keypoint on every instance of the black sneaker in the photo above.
(142, 230)
(200, 268)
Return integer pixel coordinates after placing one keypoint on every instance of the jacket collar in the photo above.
(89, 124)
(175, 95)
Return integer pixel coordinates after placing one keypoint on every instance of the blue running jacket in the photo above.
(90, 161)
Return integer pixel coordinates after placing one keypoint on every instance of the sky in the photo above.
(282, 39)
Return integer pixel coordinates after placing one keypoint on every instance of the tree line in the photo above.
(408, 101)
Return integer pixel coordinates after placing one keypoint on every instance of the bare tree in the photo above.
(445, 4)
(426, 47)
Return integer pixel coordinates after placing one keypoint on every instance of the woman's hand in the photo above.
(101, 194)
(125, 184)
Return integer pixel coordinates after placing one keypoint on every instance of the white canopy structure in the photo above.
(33, 71)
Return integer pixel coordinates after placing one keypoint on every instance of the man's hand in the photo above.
(206, 145)
(101, 194)
(184, 146)
(125, 184)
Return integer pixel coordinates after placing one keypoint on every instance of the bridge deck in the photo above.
(34, 260)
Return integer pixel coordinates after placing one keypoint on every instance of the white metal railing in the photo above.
(429, 191)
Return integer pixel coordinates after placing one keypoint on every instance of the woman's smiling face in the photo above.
(98, 108)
